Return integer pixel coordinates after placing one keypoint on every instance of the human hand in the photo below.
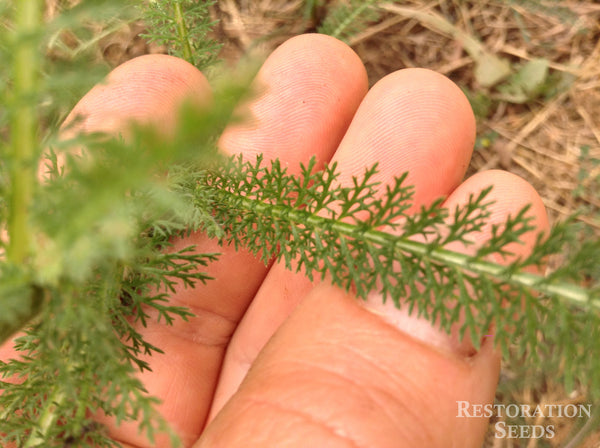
(271, 359)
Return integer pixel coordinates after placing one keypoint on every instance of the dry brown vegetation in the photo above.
(540, 138)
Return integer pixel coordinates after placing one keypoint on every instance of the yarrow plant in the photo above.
(182, 26)
(85, 256)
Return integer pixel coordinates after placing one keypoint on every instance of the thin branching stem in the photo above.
(574, 294)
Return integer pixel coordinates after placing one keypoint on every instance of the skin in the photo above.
(271, 359)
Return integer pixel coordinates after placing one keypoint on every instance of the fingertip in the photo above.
(158, 68)
(148, 89)
(510, 193)
(436, 106)
(415, 121)
(310, 88)
(306, 53)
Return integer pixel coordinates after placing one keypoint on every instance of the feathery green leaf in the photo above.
(365, 242)
(184, 27)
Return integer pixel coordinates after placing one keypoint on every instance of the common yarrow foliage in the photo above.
(365, 237)
(96, 263)
(183, 27)
(345, 20)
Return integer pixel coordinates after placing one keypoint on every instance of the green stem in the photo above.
(47, 420)
(23, 127)
(182, 30)
(574, 294)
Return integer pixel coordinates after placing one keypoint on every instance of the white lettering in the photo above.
(463, 409)
(587, 410)
(524, 432)
(512, 431)
(499, 408)
(538, 435)
(552, 406)
(500, 430)
(514, 414)
(468, 410)
(570, 407)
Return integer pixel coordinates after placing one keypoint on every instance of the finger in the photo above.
(313, 85)
(298, 80)
(509, 195)
(413, 121)
(145, 90)
(338, 375)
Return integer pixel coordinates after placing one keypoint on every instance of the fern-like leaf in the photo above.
(346, 20)
(365, 243)
(183, 26)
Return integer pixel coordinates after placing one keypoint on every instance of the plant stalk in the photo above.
(575, 295)
(23, 127)
(182, 31)
(47, 420)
